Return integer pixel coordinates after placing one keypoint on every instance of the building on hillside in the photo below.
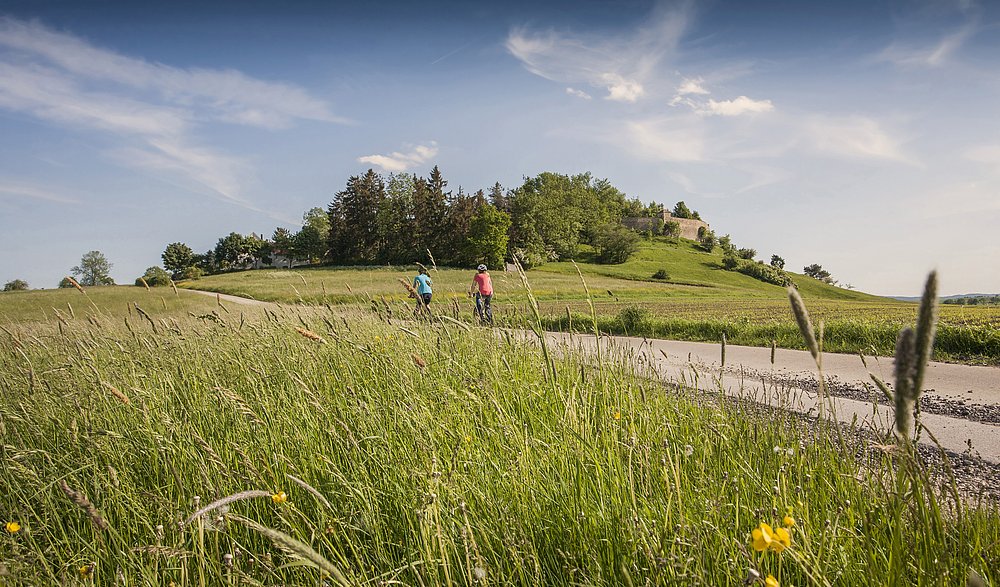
(689, 226)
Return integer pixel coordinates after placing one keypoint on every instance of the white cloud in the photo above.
(153, 110)
(578, 93)
(621, 65)
(854, 136)
(24, 190)
(736, 107)
(226, 95)
(692, 86)
(396, 161)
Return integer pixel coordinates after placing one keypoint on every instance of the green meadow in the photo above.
(303, 445)
(700, 301)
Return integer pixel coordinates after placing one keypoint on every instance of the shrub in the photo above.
(661, 275)
(634, 318)
(154, 276)
(707, 240)
(191, 273)
(614, 244)
(747, 254)
(16, 285)
(65, 282)
(671, 228)
(757, 270)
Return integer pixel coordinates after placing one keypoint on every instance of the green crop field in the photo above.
(699, 302)
(350, 451)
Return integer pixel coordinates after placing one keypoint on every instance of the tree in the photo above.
(747, 254)
(777, 262)
(65, 283)
(93, 269)
(707, 240)
(816, 271)
(230, 251)
(177, 257)
(16, 285)
(354, 232)
(681, 210)
(487, 241)
(311, 241)
(615, 244)
(283, 243)
(726, 244)
(672, 228)
(154, 276)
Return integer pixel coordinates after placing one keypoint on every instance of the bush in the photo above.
(614, 244)
(757, 270)
(661, 275)
(634, 318)
(154, 276)
(16, 285)
(747, 254)
(191, 273)
(671, 228)
(65, 282)
(707, 240)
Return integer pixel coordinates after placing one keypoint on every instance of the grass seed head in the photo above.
(805, 325)
(310, 334)
(84, 504)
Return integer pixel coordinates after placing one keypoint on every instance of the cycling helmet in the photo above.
(481, 267)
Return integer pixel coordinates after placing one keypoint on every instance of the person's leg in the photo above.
(479, 306)
(427, 303)
(488, 308)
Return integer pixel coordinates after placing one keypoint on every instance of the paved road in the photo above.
(965, 399)
(791, 383)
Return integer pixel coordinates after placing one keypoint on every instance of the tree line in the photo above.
(405, 218)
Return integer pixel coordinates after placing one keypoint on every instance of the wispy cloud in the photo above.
(934, 55)
(395, 162)
(578, 93)
(620, 65)
(27, 190)
(692, 86)
(663, 139)
(854, 136)
(154, 110)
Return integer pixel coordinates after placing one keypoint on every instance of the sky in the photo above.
(863, 136)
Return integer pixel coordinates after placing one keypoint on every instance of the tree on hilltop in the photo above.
(16, 285)
(94, 269)
(177, 257)
(816, 271)
(777, 262)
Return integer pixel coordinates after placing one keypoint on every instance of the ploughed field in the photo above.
(355, 448)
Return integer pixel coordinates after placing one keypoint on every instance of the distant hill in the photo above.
(942, 298)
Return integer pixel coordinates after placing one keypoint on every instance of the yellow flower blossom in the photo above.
(12, 527)
(617, 415)
(763, 536)
(771, 582)
(782, 540)
(788, 521)
(766, 538)
(279, 497)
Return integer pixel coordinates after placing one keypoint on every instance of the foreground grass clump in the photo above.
(428, 455)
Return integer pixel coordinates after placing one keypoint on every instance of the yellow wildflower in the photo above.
(468, 439)
(782, 540)
(279, 497)
(763, 536)
(766, 538)
(87, 570)
(788, 521)
(12, 527)
(771, 582)
(617, 415)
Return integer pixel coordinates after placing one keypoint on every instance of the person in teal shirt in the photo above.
(422, 283)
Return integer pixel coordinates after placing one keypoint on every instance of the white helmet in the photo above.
(481, 267)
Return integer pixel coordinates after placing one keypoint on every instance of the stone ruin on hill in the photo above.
(689, 226)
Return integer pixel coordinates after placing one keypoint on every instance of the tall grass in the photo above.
(481, 463)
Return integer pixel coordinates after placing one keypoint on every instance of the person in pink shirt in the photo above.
(482, 289)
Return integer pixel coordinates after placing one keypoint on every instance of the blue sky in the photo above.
(864, 136)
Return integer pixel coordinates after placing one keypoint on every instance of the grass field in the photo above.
(700, 303)
(390, 454)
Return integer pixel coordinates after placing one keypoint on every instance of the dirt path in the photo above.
(229, 298)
